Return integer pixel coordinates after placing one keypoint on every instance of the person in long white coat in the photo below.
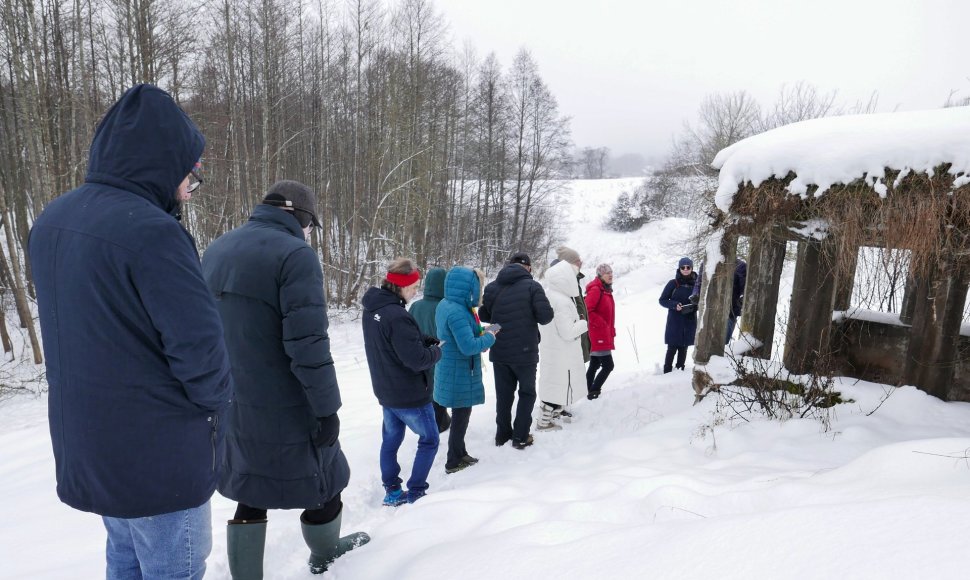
(562, 371)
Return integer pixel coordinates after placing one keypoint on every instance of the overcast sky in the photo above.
(630, 72)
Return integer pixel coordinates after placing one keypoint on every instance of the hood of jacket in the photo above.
(562, 278)
(511, 273)
(462, 286)
(122, 156)
(376, 298)
(277, 218)
(434, 284)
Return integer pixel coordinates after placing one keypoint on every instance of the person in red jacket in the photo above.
(602, 311)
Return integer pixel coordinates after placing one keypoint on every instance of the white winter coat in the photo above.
(562, 372)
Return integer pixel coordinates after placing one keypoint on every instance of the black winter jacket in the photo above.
(396, 352)
(519, 304)
(136, 363)
(268, 286)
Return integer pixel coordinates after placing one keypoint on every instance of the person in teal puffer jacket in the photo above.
(423, 312)
(458, 375)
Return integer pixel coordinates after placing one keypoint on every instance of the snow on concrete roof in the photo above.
(833, 150)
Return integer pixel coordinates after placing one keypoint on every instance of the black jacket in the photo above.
(519, 304)
(136, 362)
(396, 351)
(268, 286)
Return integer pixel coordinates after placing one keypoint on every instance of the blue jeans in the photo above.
(732, 321)
(420, 420)
(165, 546)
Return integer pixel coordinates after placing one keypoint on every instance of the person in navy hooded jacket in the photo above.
(138, 373)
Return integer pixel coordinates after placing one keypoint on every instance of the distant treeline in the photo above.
(416, 148)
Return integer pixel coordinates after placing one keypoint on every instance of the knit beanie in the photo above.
(603, 270)
(567, 255)
(685, 261)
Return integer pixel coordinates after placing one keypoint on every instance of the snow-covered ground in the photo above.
(641, 485)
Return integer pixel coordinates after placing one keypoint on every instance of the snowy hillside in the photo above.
(641, 485)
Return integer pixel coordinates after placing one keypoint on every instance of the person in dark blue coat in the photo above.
(519, 304)
(136, 364)
(282, 449)
(681, 321)
(423, 312)
(398, 355)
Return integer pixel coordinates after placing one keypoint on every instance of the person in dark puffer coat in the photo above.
(282, 446)
(423, 312)
(681, 322)
(136, 362)
(458, 377)
(398, 355)
(519, 304)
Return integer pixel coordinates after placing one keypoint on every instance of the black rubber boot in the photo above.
(326, 545)
(245, 543)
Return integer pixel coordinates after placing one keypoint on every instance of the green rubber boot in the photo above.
(326, 545)
(245, 542)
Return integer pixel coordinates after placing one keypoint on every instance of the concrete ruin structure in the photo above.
(897, 182)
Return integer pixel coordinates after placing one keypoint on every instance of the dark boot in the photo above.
(245, 543)
(326, 545)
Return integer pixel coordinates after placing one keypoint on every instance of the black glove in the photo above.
(431, 341)
(327, 431)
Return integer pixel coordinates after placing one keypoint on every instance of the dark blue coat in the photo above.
(458, 377)
(136, 362)
(519, 304)
(396, 354)
(737, 287)
(268, 286)
(681, 328)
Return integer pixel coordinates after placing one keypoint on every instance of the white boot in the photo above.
(561, 414)
(546, 421)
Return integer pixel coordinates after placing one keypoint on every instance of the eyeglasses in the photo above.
(193, 185)
(688, 268)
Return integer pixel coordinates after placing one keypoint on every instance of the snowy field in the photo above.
(641, 485)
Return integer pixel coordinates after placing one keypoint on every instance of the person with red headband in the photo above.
(398, 355)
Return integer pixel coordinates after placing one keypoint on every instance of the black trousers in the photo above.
(507, 379)
(594, 382)
(324, 515)
(456, 436)
(681, 352)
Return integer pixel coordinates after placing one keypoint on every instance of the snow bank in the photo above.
(833, 150)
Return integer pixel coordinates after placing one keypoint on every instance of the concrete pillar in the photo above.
(909, 299)
(808, 336)
(765, 264)
(846, 279)
(937, 315)
(715, 305)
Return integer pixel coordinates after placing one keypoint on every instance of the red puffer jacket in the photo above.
(602, 314)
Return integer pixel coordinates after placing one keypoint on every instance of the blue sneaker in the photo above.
(415, 495)
(395, 497)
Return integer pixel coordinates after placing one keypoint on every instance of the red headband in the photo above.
(404, 280)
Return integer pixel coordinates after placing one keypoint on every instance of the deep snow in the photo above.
(640, 485)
